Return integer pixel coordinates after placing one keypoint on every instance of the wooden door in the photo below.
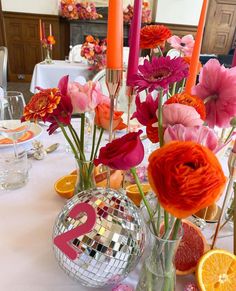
(220, 27)
(2, 30)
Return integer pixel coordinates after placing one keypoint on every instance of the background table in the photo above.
(48, 75)
(27, 218)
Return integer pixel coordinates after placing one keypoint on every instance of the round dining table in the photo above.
(27, 216)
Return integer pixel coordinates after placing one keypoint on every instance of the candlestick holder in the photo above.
(114, 79)
(232, 176)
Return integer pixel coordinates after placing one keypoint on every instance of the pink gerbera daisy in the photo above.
(159, 73)
(217, 87)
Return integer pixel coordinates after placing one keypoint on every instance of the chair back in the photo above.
(3, 67)
(75, 54)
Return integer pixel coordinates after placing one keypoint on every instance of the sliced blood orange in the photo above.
(192, 246)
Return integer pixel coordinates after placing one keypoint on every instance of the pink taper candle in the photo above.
(134, 41)
(115, 35)
(234, 59)
(196, 50)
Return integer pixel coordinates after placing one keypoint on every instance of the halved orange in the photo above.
(132, 192)
(65, 186)
(216, 271)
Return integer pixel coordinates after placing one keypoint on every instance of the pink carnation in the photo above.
(200, 134)
(217, 87)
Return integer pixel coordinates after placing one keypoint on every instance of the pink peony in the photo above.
(86, 97)
(217, 87)
(159, 73)
(145, 111)
(184, 45)
(200, 134)
(180, 114)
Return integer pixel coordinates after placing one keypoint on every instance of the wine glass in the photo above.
(12, 107)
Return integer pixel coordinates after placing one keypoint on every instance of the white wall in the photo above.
(168, 11)
(31, 6)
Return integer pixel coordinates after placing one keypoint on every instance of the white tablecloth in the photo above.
(27, 216)
(48, 75)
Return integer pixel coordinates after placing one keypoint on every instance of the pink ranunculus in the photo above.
(85, 97)
(200, 134)
(184, 45)
(145, 111)
(122, 153)
(180, 114)
(217, 87)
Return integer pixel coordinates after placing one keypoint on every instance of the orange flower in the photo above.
(42, 104)
(188, 60)
(186, 177)
(152, 36)
(90, 38)
(152, 132)
(190, 100)
(102, 117)
(51, 39)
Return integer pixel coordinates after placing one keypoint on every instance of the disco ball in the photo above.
(112, 249)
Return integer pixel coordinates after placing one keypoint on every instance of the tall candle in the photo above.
(134, 41)
(115, 35)
(43, 31)
(50, 29)
(234, 58)
(197, 48)
(40, 30)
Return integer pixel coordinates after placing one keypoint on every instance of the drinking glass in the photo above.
(11, 111)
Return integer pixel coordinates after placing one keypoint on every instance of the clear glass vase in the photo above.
(158, 272)
(85, 176)
(48, 55)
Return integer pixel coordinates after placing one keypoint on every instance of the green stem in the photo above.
(183, 84)
(98, 143)
(93, 144)
(160, 51)
(229, 135)
(133, 171)
(160, 122)
(82, 124)
(166, 220)
(69, 141)
(173, 89)
(77, 141)
(158, 218)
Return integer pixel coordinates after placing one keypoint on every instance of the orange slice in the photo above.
(216, 271)
(65, 186)
(133, 193)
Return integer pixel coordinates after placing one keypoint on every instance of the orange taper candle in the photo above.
(196, 50)
(40, 30)
(115, 35)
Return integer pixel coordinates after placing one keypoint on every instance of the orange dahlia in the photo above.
(152, 36)
(42, 104)
(188, 60)
(190, 100)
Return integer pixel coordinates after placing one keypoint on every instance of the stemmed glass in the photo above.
(11, 111)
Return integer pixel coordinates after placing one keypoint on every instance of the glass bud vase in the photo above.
(158, 272)
(85, 176)
(48, 58)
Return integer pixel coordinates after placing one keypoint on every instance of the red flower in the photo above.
(152, 36)
(122, 153)
(152, 132)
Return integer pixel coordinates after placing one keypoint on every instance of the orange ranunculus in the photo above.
(102, 117)
(42, 104)
(90, 38)
(188, 60)
(152, 36)
(51, 40)
(190, 100)
(186, 177)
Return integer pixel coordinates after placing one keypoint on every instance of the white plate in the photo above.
(36, 130)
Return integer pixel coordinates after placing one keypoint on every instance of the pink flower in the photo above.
(122, 153)
(159, 73)
(145, 111)
(217, 87)
(85, 97)
(184, 45)
(180, 114)
(200, 134)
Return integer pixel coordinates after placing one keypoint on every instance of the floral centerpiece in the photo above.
(73, 9)
(56, 106)
(94, 51)
(146, 13)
